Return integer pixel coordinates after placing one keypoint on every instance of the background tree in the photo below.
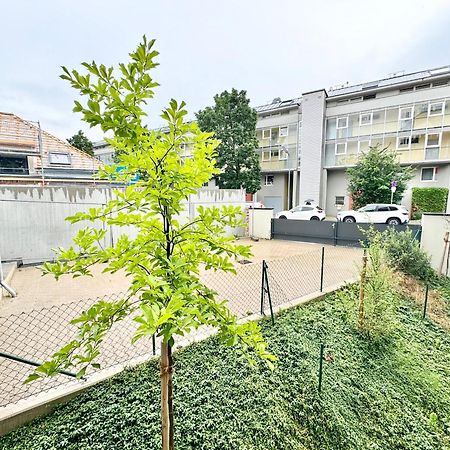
(166, 295)
(233, 122)
(370, 180)
(81, 142)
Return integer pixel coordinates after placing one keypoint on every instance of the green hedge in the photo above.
(391, 395)
(433, 199)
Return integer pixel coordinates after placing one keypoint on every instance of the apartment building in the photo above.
(408, 113)
(307, 143)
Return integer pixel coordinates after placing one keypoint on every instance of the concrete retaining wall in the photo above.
(32, 219)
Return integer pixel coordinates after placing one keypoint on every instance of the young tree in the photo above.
(81, 142)
(370, 180)
(234, 122)
(167, 296)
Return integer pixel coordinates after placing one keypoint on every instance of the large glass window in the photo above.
(432, 145)
(13, 165)
(405, 118)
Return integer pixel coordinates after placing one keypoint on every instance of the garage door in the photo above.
(274, 202)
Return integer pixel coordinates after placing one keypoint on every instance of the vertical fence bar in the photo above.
(425, 303)
(321, 269)
(268, 294)
(262, 286)
(322, 350)
(154, 344)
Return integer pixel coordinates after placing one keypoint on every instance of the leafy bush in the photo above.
(390, 395)
(433, 199)
(404, 254)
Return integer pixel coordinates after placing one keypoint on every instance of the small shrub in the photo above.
(432, 199)
(376, 316)
(403, 253)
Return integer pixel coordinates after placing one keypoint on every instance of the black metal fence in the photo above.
(257, 287)
(331, 233)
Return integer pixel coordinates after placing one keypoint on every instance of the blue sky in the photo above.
(269, 48)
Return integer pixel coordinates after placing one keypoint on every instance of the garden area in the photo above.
(380, 390)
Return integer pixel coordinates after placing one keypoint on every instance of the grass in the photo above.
(390, 394)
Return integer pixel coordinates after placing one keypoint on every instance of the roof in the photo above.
(18, 136)
(279, 104)
(394, 80)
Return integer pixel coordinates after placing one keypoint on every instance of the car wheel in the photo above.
(282, 217)
(314, 218)
(393, 221)
(349, 219)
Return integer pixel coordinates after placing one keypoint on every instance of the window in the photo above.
(393, 208)
(405, 118)
(59, 158)
(342, 122)
(415, 139)
(368, 208)
(283, 131)
(432, 145)
(339, 200)
(268, 180)
(307, 208)
(369, 96)
(423, 86)
(275, 153)
(266, 155)
(365, 119)
(341, 148)
(403, 142)
(266, 134)
(13, 165)
(428, 174)
(436, 109)
(383, 208)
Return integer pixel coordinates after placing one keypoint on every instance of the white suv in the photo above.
(303, 212)
(376, 213)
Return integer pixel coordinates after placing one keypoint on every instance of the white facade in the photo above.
(409, 114)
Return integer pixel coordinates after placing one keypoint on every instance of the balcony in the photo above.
(278, 158)
(412, 155)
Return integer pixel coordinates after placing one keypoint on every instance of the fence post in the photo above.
(425, 302)
(362, 291)
(262, 285)
(322, 349)
(154, 344)
(335, 232)
(265, 289)
(321, 269)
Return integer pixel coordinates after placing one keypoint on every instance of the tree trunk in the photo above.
(166, 397)
(362, 287)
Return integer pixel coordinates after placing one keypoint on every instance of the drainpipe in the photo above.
(3, 284)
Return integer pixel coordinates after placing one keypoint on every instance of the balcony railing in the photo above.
(411, 156)
(278, 158)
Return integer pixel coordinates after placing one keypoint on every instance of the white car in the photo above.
(303, 212)
(376, 213)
